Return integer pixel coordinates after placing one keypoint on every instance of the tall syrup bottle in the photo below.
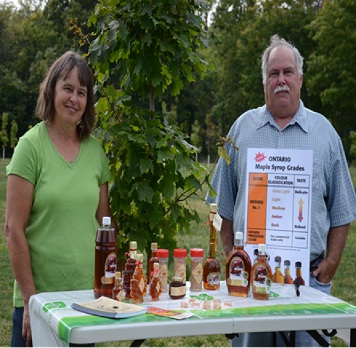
(238, 269)
(105, 259)
(211, 269)
(261, 275)
(130, 266)
(151, 261)
(298, 271)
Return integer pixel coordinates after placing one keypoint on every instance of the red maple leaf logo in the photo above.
(260, 157)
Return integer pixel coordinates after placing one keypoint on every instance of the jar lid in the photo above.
(162, 253)
(177, 279)
(180, 253)
(196, 252)
(154, 246)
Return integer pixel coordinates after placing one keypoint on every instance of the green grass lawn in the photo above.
(343, 285)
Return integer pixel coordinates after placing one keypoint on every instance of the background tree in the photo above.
(4, 137)
(332, 72)
(142, 52)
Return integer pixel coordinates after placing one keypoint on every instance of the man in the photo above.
(285, 123)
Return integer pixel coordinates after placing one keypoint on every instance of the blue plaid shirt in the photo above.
(333, 194)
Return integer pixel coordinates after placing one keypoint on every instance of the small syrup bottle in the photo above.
(211, 269)
(130, 266)
(117, 290)
(287, 278)
(138, 281)
(151, 261)
(155, 284)
(298, 270)
(277, 275)
(238, 269)
(261, 275)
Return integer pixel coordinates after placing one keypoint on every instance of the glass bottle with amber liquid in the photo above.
(298, 271)
(278, 275)
(151, 261)
(155, 283)
(117, 291)
(211, 269)
(238, 269)
(287, 277)
(138, 286)
(130, 266)
(261, 275)
(105, 259)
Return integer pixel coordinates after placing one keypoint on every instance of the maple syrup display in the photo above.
(152, 260)
(105, 259)
(287, 277)
(211, 269)
(238, 269)
(261, 275)
(130, 266)
(138, 285)
(278, 275)
(155, 284)
(117, 291)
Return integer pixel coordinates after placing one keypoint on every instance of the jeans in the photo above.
(270, 339)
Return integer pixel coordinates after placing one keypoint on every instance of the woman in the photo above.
(57, 192)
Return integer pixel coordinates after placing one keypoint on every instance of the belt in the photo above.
(316, 260)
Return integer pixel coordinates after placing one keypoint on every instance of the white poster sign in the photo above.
(278, 202)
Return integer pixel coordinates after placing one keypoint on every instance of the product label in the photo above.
(110, 269)
(178, 291)
(213, 278)
(237, 274)
(261, 282)
(163, 274)
(180, 270)
(197, 273)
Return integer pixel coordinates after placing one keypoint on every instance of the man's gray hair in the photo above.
(275, 42)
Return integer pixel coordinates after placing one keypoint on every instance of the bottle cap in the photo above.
(261, 248)
(298, 264)
(239, 235)
(277, 259)
(133, 245)
(213, 208)
(106, 221)
(287, 263)
(180, 253)
(196, 252)
(154, 246)
(118, 274)
(139, 257)
(162, 253)
(156, 265)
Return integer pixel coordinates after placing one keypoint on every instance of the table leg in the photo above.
(137, 343)
(352, 337)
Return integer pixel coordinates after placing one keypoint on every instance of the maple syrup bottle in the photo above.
(105, 259)
(152, 260)
(117, 291)
(155, 284)
(238, 269)
(138, 281)
(211, 269)
(298, 270)
(130, 266)
(277, 275)
(261, 275)
(287, 278)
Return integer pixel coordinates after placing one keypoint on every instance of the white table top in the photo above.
(55, 323)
